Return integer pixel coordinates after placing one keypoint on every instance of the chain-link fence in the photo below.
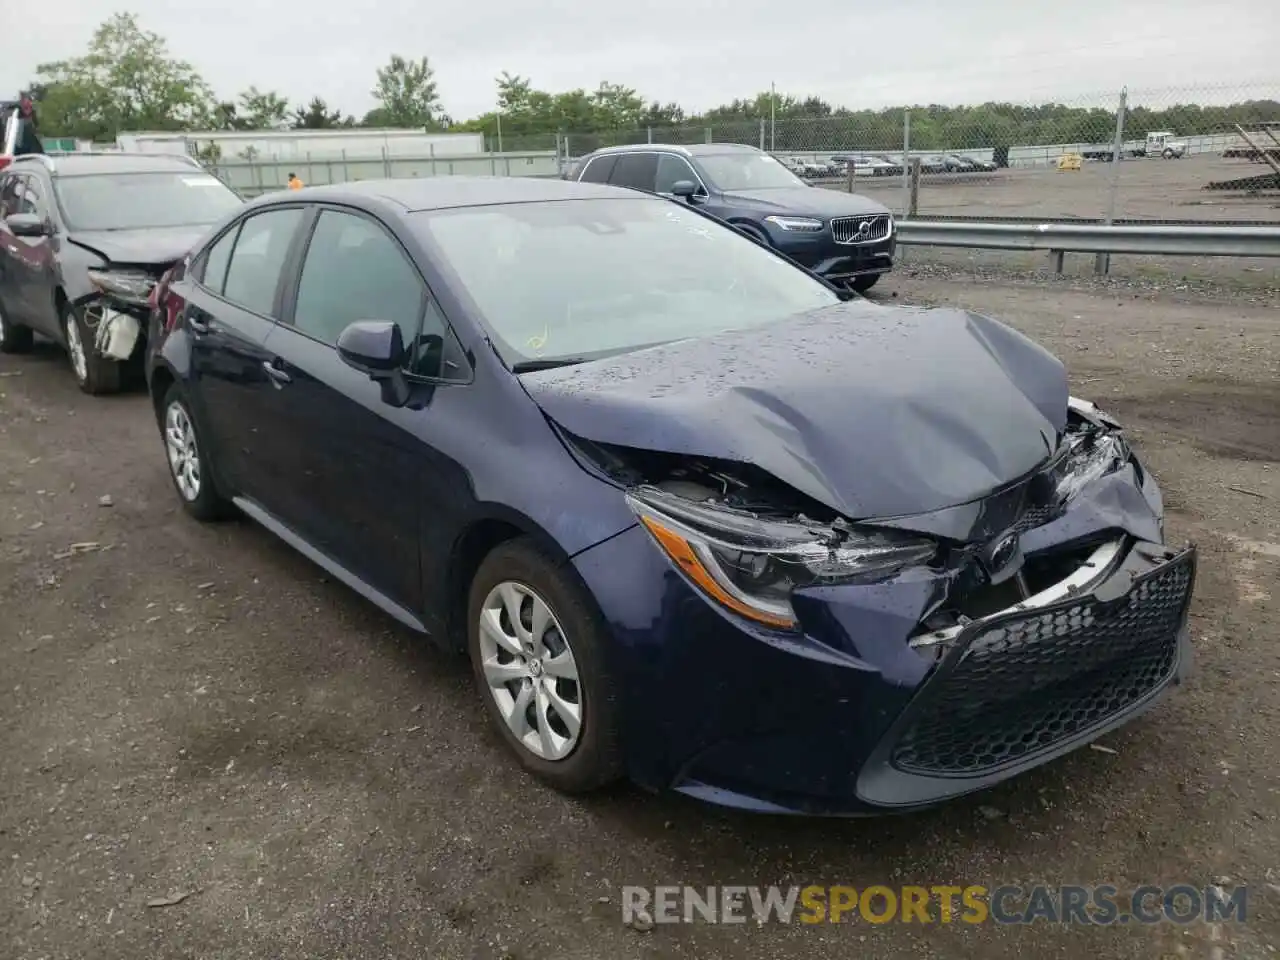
(1207, 153)
(1190, 154)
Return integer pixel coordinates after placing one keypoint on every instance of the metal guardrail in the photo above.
(1062, 238)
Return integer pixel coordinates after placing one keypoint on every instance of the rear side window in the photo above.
(598, 169)
(258, 257)
(213, 271)
(636, 170)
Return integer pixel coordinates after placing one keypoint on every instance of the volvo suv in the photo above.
(843, 237)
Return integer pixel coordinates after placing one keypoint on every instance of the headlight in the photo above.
(795, 224)
(124, 285)
(751, 565)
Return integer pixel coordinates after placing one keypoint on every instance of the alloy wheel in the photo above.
(530, 670)
(184, 454)
(75, 349)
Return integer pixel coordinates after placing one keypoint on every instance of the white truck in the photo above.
(1162, 144)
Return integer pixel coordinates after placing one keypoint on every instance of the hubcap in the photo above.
(184, 455)
(75, 347)
(530, 670)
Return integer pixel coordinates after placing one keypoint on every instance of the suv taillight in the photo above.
(5, 161)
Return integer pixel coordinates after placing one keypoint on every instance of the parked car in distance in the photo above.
(83, 238)
(982, 166)
(682, 502)
(845, 238)
(876, 166)
(953, 163)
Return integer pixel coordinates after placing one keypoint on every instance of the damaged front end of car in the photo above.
(116, 310)
(969, 643)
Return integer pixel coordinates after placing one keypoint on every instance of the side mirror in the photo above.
(376, 349)
(684, 189)
(26, 225)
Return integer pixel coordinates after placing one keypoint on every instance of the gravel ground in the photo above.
(196, 710)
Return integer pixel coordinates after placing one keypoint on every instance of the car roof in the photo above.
(689, 150)
(88, 164)
(450, 192)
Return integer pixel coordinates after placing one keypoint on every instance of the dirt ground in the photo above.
(197, 710)
(1147, 189)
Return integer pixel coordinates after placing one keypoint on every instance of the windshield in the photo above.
(134, 201)
(748, 171)
(581, 279)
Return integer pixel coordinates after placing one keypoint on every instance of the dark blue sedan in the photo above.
(698, 517)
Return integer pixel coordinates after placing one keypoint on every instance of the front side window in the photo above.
(9, 186)
(253, 275)
(581, 279)
(671, 170)
(137, 201)
(747, 170)
(354, 271)
(32, 197)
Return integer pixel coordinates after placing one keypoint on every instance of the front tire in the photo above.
(539, 652)
(14, 338)
(96, 375)
(864, 283)
(187, 456)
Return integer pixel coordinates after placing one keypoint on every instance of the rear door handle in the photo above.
(278, 376)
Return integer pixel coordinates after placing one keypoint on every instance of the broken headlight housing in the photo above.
(1092, 447)
(751, 564)
(128, 286)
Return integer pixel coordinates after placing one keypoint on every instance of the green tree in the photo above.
(127, 80)
(316, 115)
(407, 96)
(263, 109)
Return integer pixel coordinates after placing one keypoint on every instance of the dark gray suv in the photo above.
(845, 238)
(83, 239)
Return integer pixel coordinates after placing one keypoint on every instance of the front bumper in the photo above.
(1019, 688)
(840, 262)
(856, 715)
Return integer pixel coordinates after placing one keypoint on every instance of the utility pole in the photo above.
(773, 117)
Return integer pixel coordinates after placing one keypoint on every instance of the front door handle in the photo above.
(278, 376)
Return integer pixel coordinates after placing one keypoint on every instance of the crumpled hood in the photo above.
(874, 411)
(144, 247)
(814, 201)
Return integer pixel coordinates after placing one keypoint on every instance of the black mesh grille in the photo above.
(1035, 679)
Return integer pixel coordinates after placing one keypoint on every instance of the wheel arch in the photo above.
(475, 540)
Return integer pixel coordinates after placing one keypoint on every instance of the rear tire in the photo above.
(187, 456)
(865, 283)
(95, 374)
(14, 338)
(512, 666)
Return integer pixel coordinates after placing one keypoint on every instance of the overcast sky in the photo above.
(698, 53)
